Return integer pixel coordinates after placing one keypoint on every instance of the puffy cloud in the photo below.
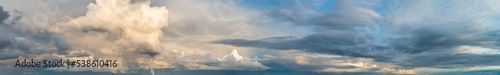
(134, 29)
(127, 31)
(131, 29)
(205, 61)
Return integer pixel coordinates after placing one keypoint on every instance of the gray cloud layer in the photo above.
(319, 43)
(335, 30)
(349, 28)
(429, 42)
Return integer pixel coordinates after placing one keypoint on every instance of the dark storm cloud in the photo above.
(434, 46)
(443, 37)
(3, 15)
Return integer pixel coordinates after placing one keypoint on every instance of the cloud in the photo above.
(172, 59)
(335, 31)
(3, 15)
(115, 29)
(318, 43)
(127, 31)
(342, 36)
(130, 32)
(14, 47)
(60, 44)
(441, 37)
(315, 62)
(401, 38)
(449, 61)
(232, 61)
(342, 14)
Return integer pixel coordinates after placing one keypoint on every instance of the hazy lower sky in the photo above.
(253, 37)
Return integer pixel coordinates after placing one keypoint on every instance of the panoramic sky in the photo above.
(253, 37)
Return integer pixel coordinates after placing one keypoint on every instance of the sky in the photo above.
(253, 37)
